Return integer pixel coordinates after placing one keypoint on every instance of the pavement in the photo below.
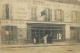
(39, 45)
(56, 47)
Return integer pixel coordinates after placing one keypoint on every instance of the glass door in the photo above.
(38, 35)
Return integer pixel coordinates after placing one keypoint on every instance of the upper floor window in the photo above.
(48, 16)
(59, 14)
(34, 13)
(47, 13)
(74, 16)
(7, 11)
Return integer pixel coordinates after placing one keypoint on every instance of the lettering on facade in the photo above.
(13, 22)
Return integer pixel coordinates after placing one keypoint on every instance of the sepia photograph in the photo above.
(39, 26)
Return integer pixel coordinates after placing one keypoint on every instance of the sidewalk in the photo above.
(39, 45)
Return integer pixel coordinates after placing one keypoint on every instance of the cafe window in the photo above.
(11, 33)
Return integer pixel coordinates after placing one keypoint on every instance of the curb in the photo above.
(25, 46)
(38, 45)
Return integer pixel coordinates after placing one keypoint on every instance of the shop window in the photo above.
(10, 32)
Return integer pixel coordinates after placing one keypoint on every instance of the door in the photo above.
(74, 34)
(38, 34)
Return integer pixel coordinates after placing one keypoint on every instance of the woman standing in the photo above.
(34, 41)
(45, 39)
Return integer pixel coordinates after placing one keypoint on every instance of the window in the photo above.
(59, 15)
(48, 16)
(11, 33)
(7, 11)
(47, 13)
(74, 16)
(78, 17)
(33, 13)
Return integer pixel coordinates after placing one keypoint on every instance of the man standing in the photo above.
(50, 38)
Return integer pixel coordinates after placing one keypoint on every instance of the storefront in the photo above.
(57, 32)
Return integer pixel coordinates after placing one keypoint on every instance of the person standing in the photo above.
(34, 41)
(50, 37)
(57, 35)
(45, 39)
(60, 36)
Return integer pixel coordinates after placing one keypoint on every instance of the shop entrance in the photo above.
(38, 35)
(39, 31)
(48, 32)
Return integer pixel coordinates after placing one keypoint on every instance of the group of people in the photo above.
(46, 39)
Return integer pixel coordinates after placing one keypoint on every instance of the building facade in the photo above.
(22, 20)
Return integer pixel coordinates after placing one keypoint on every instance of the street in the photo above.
(44, 49)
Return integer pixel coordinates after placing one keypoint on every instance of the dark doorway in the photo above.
(47, 32)
(38, 35)
(74, 34)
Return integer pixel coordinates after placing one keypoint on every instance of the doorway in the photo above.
(47, 32)
(38, 35)
(74, 34)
